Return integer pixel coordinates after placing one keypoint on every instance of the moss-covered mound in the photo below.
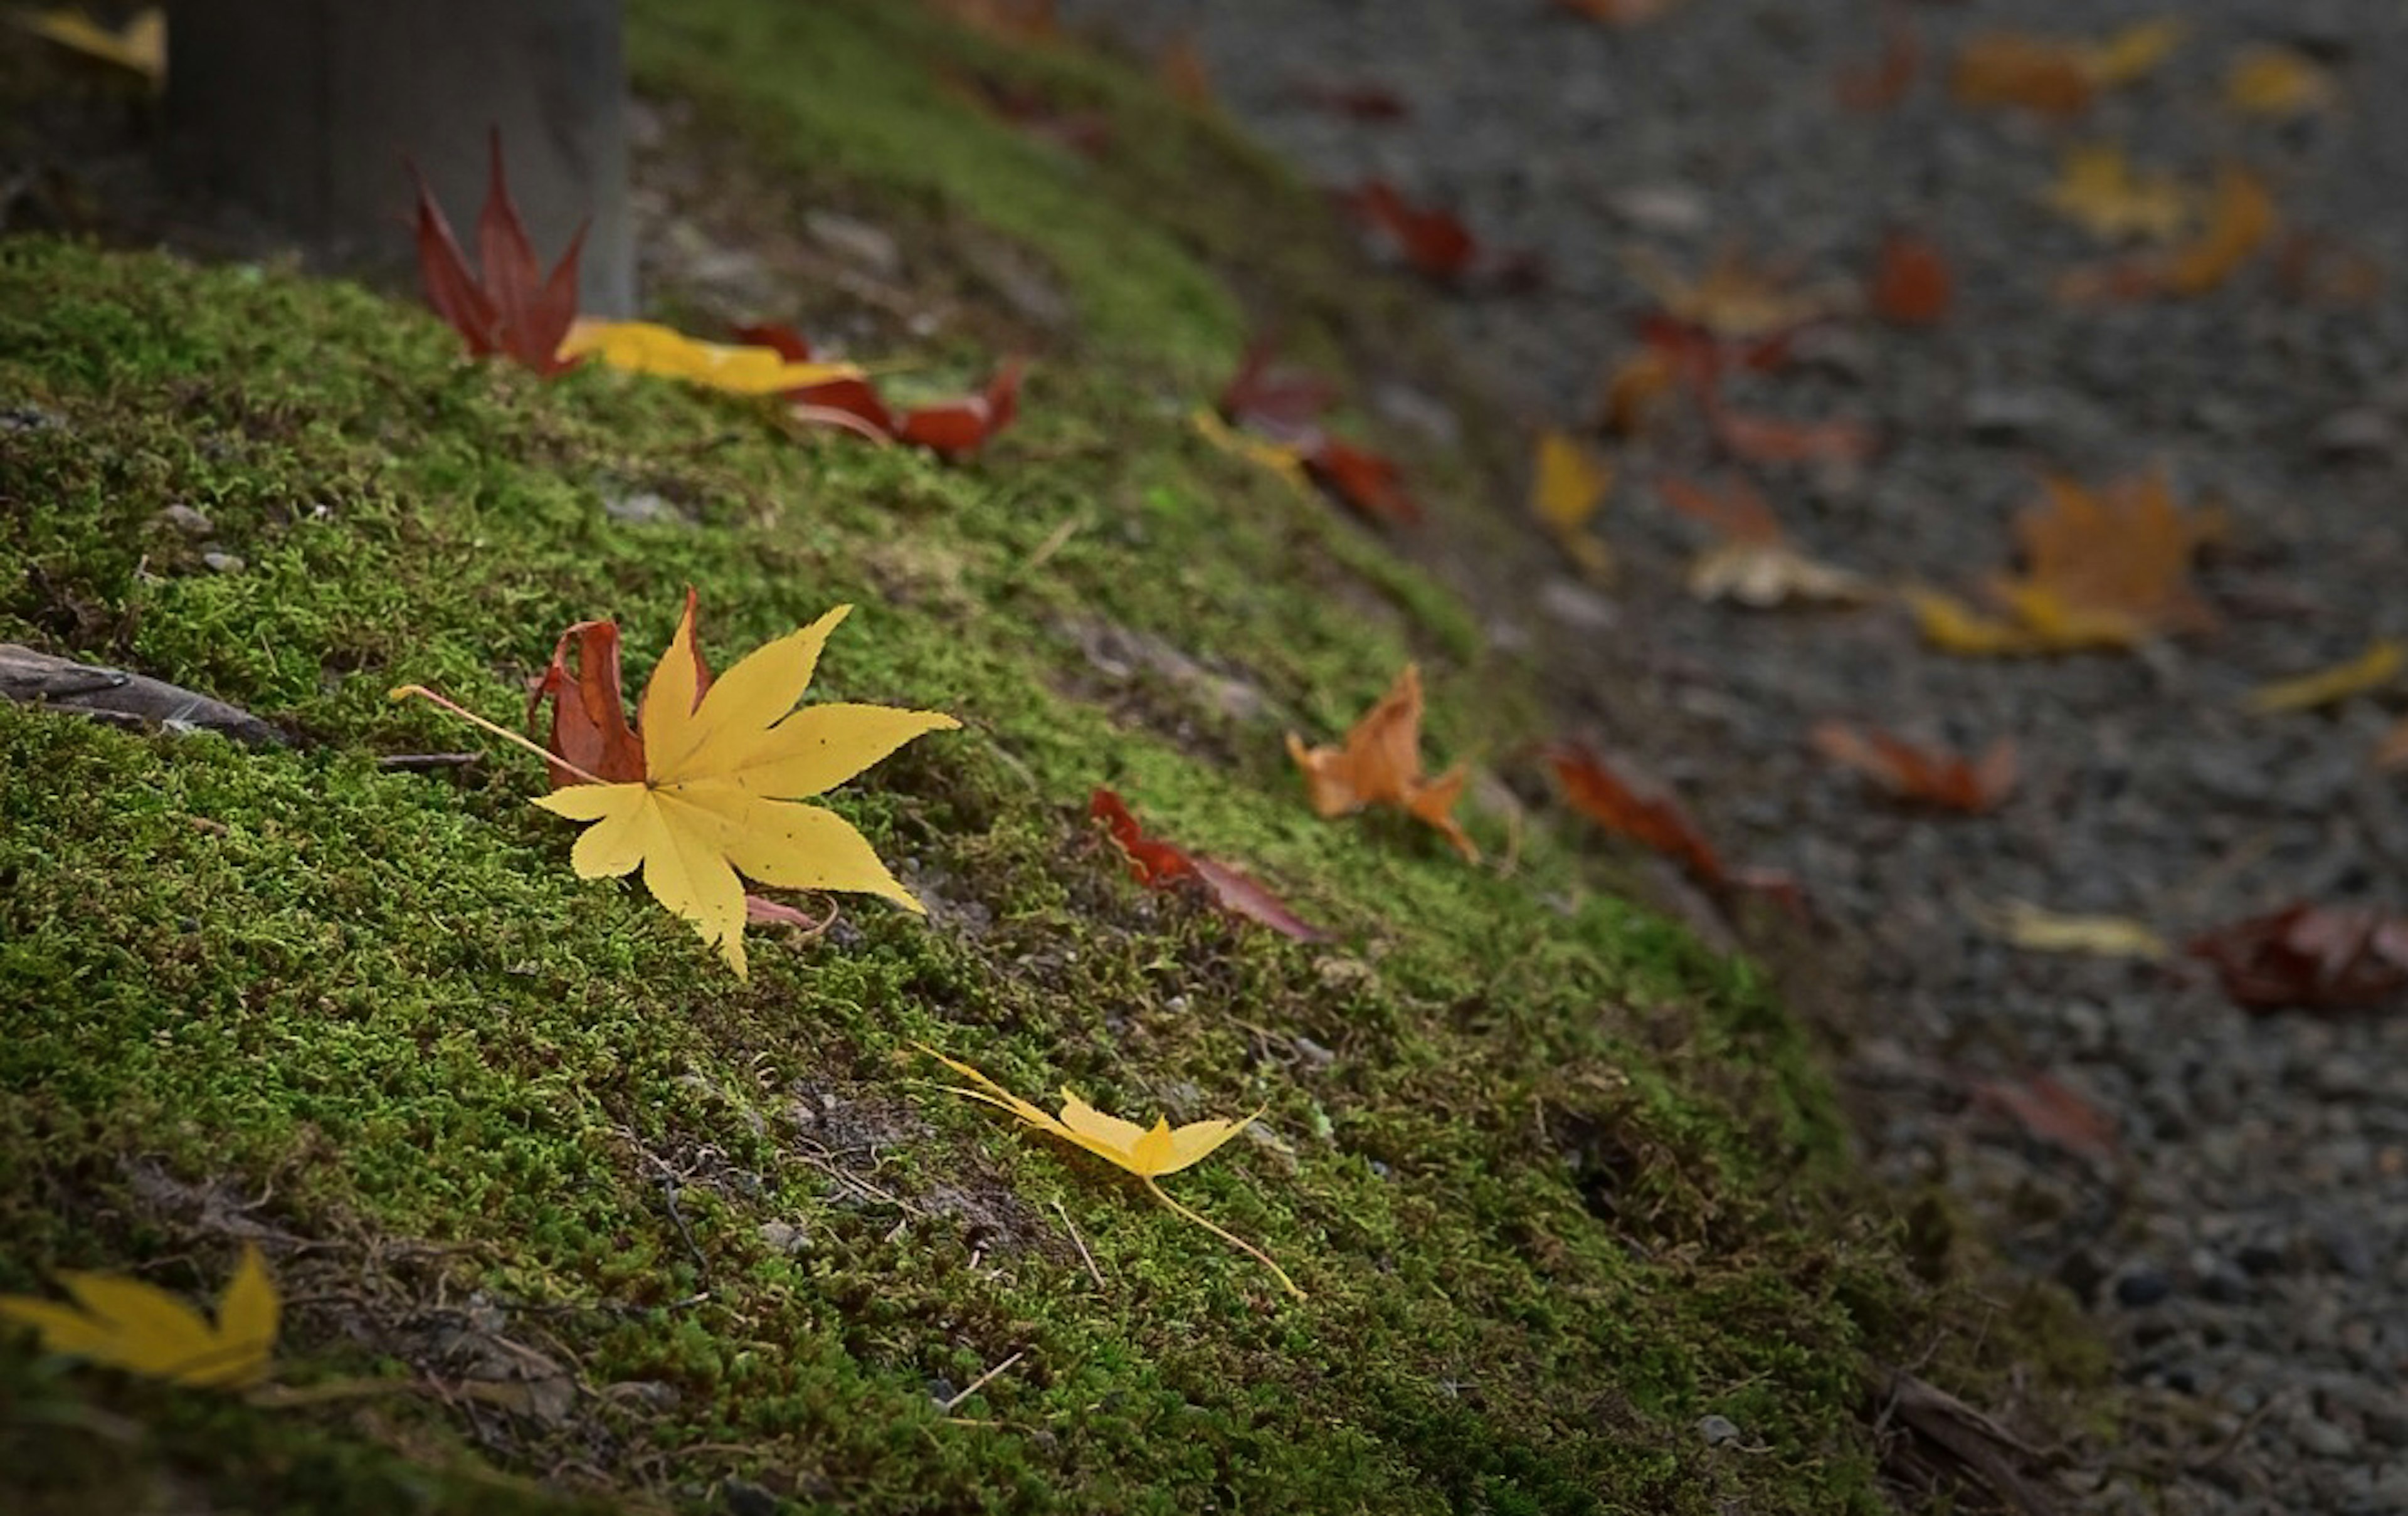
(562, 1210)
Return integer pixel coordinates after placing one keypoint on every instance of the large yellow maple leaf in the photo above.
(126, 1323)
(723, 772)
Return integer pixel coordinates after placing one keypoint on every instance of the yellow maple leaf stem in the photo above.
(406, 691)
(1224, 1234)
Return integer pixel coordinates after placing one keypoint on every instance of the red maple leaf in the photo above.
(513, 309)
(1160, 864)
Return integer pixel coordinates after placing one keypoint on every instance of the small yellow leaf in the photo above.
(2241, 216)
(1953, 626)
(139, 47)
(1147, 1153)
(722, 777)
(1570, 484)
(2102, 191)
(1280, 459)
(2372, 669)
(2276, 82)
(2028, 926)
(125, 1324)
(2136, 51)
(648, 348)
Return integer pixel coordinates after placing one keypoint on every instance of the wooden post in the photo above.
(300, 112)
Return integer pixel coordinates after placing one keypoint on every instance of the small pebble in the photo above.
(2143, 1286)
(1717, 1430)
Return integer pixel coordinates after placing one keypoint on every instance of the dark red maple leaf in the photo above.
(513, 309)
(2318, 957)
(1160, 864)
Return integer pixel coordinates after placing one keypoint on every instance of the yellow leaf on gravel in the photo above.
(1280, 459)
(649, 348)
(2372, 669)
(2099, 189)
(2028, 926)
(125, 1324)
(1953, 626)
(2276, 82)
(723, 773)
(2241, 216)
(1148, 1152)
(1571, 482)
(2130, 54)
(138, 47)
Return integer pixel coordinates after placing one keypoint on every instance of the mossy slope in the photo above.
(1558, 1181)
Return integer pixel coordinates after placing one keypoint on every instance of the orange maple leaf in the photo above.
(1381, 764)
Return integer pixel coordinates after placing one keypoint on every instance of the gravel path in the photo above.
(2243, 1236)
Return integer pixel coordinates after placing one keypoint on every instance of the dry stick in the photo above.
(982, 1382)
(1228, 1236)
(1080, 1243)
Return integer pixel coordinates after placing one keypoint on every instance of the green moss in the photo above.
(1559, 1180)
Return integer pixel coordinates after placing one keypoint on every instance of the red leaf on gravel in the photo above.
(1659, 820)
(1363, 481)
(1884, 83)
(513, 309)
(1363, 102)
(854, 397)
(1616, 12)
(1773, 439)
(1268, 398)
(1912, 285)
(1159, 865)
(1739, 514)
(1912, 773)
(1432, 242)
(2317, 957)
(2052, 1112)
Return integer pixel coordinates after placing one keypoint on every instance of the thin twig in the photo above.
(403, 691)
(1080, 1243)
(982, 1381)
(420, 762)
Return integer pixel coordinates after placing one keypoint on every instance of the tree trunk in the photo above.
(301, 111)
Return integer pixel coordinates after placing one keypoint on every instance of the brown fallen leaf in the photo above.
(1651, 817)
(2053, 1112)
(2109, 568)
(2391, 752)
(1160, 864)
(1912, 285)
(1912, 773)
(1884, 83)
(2055, 78)
(1434, 242)
(1733, 299)
(2313, 957)
(1381, 764)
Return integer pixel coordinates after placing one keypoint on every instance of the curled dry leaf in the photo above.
(125, 1324)
(1567, 485)
(1148, 1153)
(2239, 221)
(1773, 439)
(649, 348)
(1366, 483)
(2314, 957)
(1912, 773)
(2109, 568)
(2040, 930)
(1266, 397)
(2052, 1112)
(1755, 565)
(1912, 285)
(513, 308)
(1648, 816)
(1160, 864)
(2377, 667)
(1381, 764)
